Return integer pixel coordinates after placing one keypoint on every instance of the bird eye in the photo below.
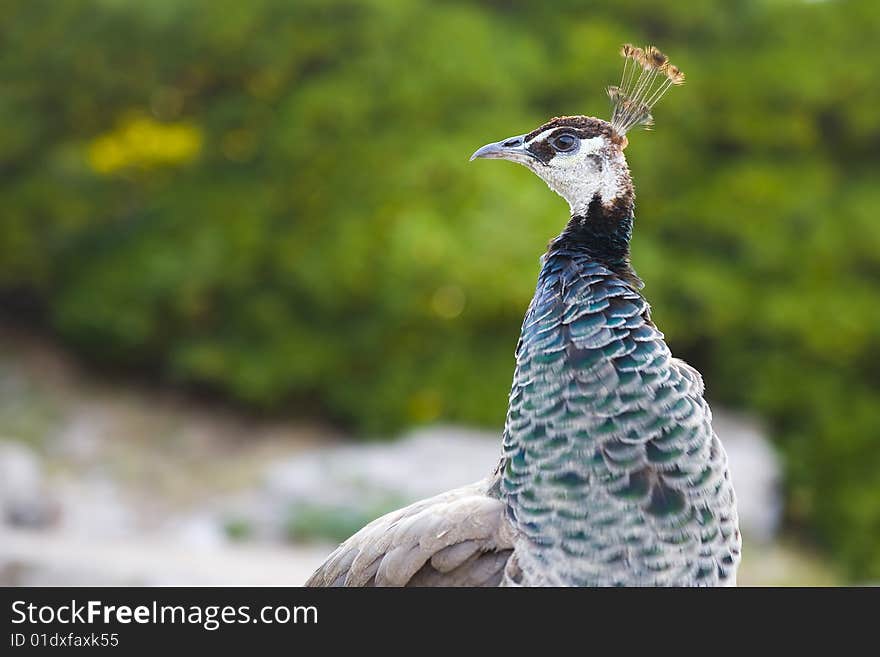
(564, 143)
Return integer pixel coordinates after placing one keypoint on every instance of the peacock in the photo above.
(610, 473)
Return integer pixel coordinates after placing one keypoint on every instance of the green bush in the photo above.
(271, 199)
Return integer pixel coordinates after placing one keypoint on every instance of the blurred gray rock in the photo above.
(420, 464)
(23, 497)
(95, 505)
(756, 473)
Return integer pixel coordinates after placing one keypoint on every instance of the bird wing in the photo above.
(458, 538)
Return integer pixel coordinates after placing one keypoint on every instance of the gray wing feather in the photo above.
(458, 538)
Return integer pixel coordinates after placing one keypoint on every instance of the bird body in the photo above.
(610, 472)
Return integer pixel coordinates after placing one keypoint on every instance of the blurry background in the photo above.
(241, 250)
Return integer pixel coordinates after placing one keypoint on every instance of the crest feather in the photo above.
(647, 75)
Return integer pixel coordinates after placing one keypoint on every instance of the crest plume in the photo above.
(647, 75)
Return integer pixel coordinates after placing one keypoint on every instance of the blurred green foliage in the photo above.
(272, 199)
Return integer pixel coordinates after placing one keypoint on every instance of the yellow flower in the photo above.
(141, 141)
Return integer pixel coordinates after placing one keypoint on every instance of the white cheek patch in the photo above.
(578, 177)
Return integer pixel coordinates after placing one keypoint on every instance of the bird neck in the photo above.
(602, 232)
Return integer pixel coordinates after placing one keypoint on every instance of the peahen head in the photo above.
(581, 158)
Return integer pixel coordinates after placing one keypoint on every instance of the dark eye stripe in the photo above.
(542, 150)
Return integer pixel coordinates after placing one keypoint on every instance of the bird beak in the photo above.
(512, 149)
